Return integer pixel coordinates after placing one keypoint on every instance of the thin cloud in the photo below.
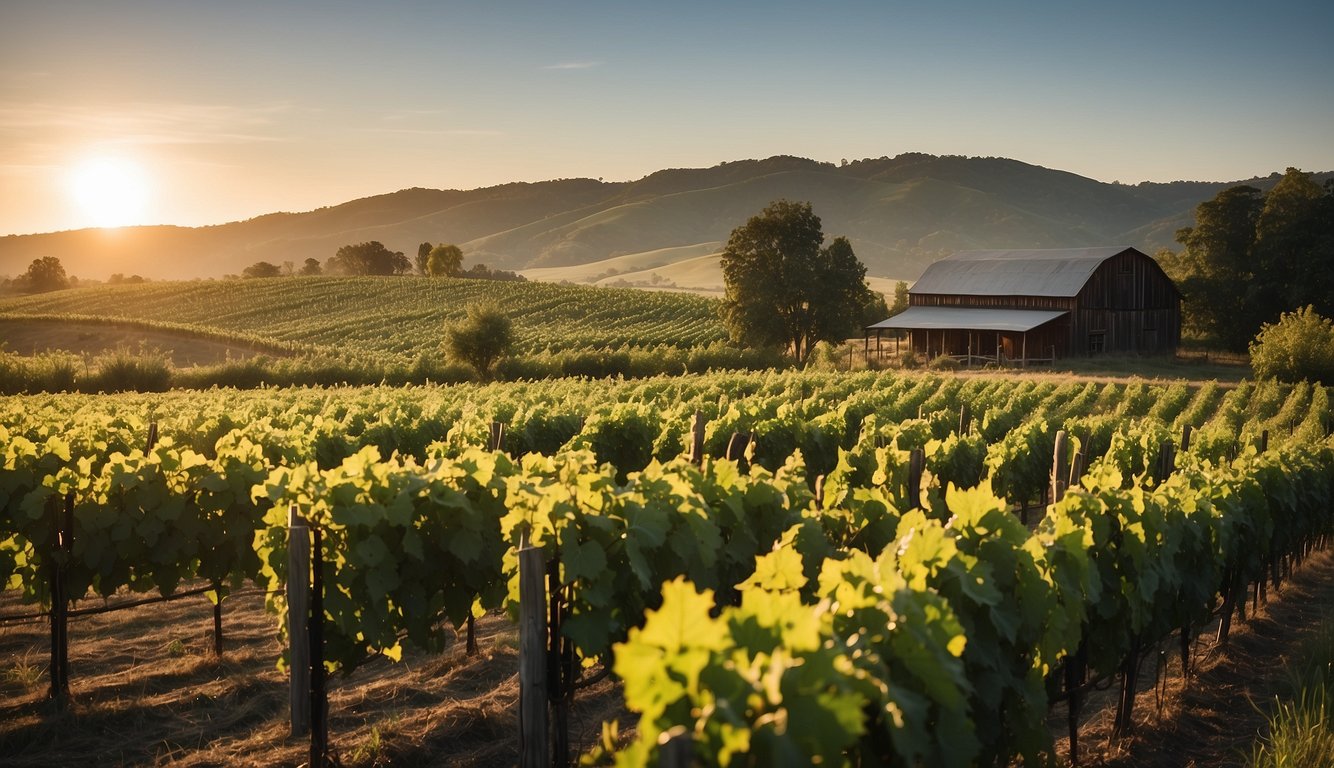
(574, 65)
(411, 114)
(436, 131)
(146, 123)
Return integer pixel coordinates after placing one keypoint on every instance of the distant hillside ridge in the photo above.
(900, 214)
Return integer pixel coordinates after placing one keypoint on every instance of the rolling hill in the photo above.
(393, 319)
(900, 213)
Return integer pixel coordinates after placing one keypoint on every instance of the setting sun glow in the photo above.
(109, 191)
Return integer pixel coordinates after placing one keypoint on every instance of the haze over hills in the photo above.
(900, 213)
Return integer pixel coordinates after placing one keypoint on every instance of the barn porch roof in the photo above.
(967, 319)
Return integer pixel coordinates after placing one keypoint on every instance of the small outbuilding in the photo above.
(1030, 306)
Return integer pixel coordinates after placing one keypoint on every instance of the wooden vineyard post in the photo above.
(560, 668)
(965, 419)
(152, 437)
(1232, 584)
(1125, 705)
(1185, 439)
(916, 459)
(736, 447)
(319, 696)
(1264, 441)
(298, 611)
(497, 435)
(217, 619)
(1166, 460)
(62, 545)
(678, 750)
(1059, 476)
(697, 439)
(533, 738)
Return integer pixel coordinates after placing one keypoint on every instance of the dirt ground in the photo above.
(31, 337)
(1214, 717)
(147, 691)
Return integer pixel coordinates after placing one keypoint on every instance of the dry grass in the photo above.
(146, 690)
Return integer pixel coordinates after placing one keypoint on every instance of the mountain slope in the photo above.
(900, 213)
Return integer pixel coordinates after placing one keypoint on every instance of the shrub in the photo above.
(125, 371)
(527, 368)
(480, 339)
(595, 365)
(1300, 346)
(54, 372)
(46, 372)
(723, 358)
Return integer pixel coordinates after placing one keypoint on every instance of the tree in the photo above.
(311, 267)
(1299, 346)
(874, 309)
(1294, 246)
(261, 269)
(444, 261)
(1250, 257)
(483, 272)
(783, 287)
(44, 274)
(900, 299)
(368, 259)
(1214, 271)
(423, 251)
(481, 338)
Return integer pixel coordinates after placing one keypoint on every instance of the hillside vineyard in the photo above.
(814, 580)
(389, 318)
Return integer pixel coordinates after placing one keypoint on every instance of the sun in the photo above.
(109, 191)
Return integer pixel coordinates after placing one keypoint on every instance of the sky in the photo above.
(195, 112)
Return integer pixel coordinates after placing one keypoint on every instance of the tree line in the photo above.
(373, 258)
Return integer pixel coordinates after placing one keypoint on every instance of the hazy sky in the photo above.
(225, 110)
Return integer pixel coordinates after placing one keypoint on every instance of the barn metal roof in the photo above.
(1059, 272)
(967, 319)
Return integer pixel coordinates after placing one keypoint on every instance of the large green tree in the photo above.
(444, 260)
(261, 269)
(44, 274)
(368, 259)
(1251, 256)
(423, 251)
(1294, 246)
(785, 288)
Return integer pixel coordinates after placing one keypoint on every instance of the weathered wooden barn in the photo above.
(1038, 305)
